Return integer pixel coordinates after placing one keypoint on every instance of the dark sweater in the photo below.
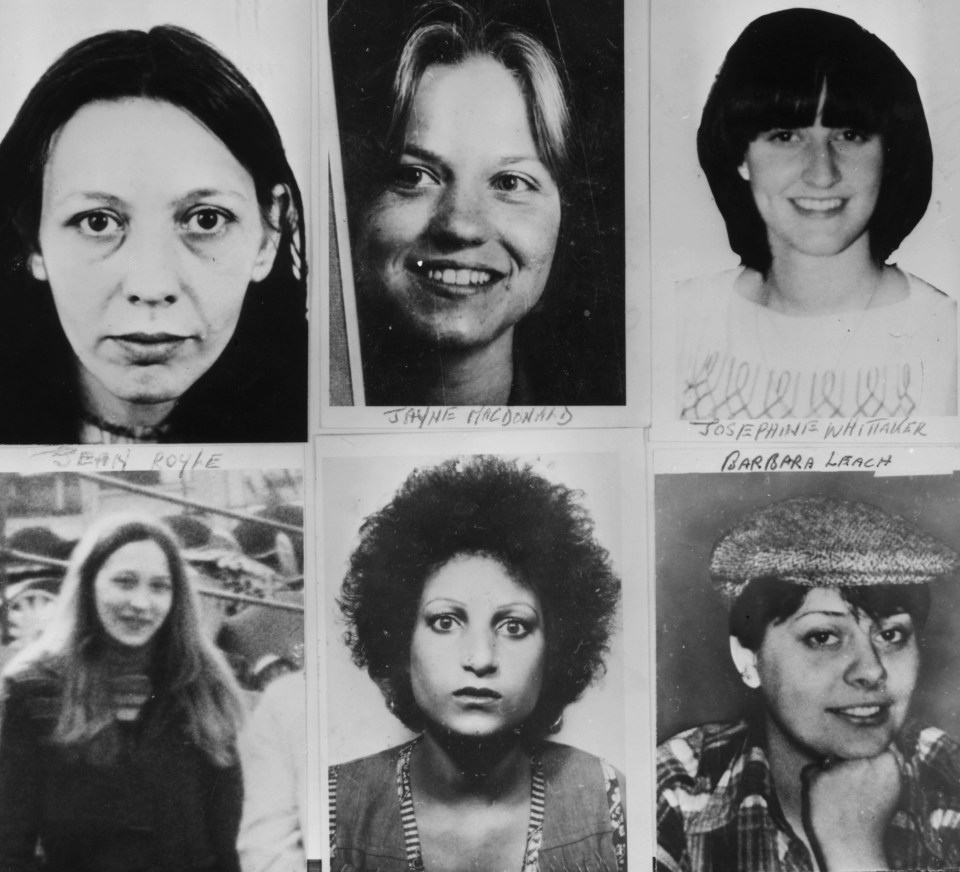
(160, 806)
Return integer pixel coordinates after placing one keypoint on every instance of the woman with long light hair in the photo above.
(117, 746)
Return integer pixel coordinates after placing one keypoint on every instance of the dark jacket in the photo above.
(160, 806)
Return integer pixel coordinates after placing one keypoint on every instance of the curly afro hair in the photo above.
(503, 510)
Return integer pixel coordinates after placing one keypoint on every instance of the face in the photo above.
(150, 234)
(836, 681)
(133, 593)
(462, 241)
(476, 659)
(815, 187)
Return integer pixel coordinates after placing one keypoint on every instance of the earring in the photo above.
(557, 724)
(750, 676)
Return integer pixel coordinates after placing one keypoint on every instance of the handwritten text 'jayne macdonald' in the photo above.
(745, 461)
(813, 430)
(119, 459)
(425, 417)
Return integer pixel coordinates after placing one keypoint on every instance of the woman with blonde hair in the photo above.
(117, 747)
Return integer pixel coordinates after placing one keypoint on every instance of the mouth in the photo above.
(135, 625)
(477, 695)
(872, 715)
(146, 349)
(457, 279)
(819, 206)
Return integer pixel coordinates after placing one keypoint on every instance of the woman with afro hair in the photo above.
(481, 604)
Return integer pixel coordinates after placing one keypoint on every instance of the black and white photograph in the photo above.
(475, 666)
(807, 667)
(481, 149)
(153, 238)
(152, 670)
(804, 210)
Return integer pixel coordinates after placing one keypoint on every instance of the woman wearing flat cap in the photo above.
(827, 599)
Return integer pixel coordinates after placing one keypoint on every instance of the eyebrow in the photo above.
(426, 154)
(105, 198)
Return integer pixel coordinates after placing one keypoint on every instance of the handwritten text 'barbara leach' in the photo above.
(426, 417)
(812, 430)
(745, 461)
(119, 459)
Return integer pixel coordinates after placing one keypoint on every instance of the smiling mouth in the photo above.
(864, 715)
(456, 277)
(819, 205)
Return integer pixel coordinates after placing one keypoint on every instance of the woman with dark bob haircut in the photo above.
(475, 259)
(118, 742)
(481, 604)
(151, 252)
(816, 148)
(827, 771)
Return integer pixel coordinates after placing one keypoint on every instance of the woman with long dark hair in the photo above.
(152, 258)
(118, 741)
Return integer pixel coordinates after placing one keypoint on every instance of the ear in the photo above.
(746, 662)
(744, 171)
(272, 231)
(37, 267)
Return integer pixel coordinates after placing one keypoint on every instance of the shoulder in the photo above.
(713, 288)
(704, 750)
(935, 755)
(562, 763)
(31, 690)
(366, 767)
(925, 295)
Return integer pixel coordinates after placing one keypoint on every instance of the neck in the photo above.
(787, 760)
(799, 284)
(446, 768)
(101, 404)
(123, 659)
(455, 376)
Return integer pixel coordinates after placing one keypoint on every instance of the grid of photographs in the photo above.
(503, 435)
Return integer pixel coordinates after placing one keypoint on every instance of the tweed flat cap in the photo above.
(825, 542)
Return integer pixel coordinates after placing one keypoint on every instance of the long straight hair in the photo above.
(193, 685)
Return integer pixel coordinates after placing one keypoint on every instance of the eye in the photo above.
(161, 585)
(125, 580)
(515, 628)
(442, 623)
(513, 183)
(851, 135)
(207, 221)
(895, 636)
(412, 176)
(97, 224)
(822, 639)
(782, 137)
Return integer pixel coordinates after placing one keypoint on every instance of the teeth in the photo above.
(813, 204)
(863, 711)
(459, 276)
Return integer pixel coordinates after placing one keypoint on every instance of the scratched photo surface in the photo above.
(161, 296)
(240, 534)
(478, 278)
(697, 682)
(727, 346)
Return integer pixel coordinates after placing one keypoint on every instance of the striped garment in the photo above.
(717, 809)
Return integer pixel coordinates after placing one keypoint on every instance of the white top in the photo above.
(739, 359)
(273, 750)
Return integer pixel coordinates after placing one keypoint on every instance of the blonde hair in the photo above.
(192, 681)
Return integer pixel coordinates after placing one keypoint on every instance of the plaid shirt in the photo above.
(717, 810)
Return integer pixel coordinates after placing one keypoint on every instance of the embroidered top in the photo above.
(738, 359)
(717, 809)
(547, 794)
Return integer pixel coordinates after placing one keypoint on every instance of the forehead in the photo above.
(138, 144)
(475, 106)
(477, 581)
(143, 556)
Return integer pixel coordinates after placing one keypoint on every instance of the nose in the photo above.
(150, 278)
(460, 216)
(479, 653)
(866, 667)
(820, 168)
(139, 599)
